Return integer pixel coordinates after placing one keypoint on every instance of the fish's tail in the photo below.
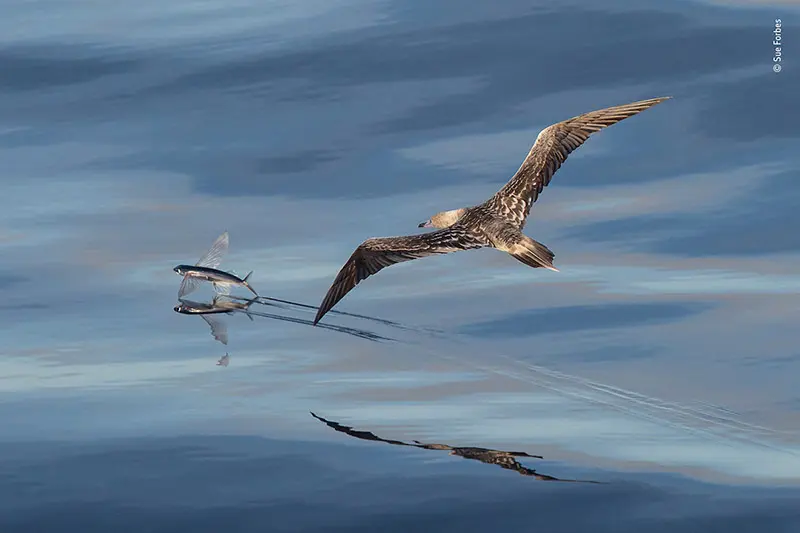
(247, 309)
(532, 253)
(246, 284)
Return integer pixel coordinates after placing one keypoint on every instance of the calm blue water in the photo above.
(661, 361)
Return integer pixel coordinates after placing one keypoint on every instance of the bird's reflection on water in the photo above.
(504, 459)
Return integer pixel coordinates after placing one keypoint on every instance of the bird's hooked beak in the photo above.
(426, 224)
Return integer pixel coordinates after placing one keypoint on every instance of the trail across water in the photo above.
(702, 420)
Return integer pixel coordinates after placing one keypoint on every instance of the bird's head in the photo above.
(445, 219)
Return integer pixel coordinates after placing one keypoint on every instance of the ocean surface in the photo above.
(650, 385)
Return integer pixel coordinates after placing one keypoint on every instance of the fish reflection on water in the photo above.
(504, 459)
(219, 305)
(232, 304)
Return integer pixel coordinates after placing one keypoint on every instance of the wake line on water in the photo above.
(644, 407)
(297, 306)
(554, 381)
(648, 401)
(719, 422)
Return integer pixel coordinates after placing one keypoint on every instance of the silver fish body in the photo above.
(220, 278)
(206, 269)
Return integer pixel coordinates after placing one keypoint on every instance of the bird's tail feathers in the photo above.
(533, 253)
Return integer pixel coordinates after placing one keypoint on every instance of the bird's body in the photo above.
(504, 459)
(497, 222)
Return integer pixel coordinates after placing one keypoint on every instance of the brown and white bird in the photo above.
(497, 222)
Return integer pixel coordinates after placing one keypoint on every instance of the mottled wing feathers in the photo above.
(551, 149)
(374, 255)
(213, 257)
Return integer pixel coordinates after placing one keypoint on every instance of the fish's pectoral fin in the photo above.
(188, 285)
(219, 330)
(213, 257)
(532, 253)
(222, 289)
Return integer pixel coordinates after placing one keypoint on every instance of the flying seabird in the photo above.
(497, 222)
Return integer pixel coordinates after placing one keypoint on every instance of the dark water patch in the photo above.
(301, 161)
(9, 279)
(514, 59)
(29, 68)
(639, 232)
(763, 106)
(206, 484)
(582, 318)
(337, 172)
(604, 354)
(514, 69)
(772, 360)
(511, 59)
(762, 222)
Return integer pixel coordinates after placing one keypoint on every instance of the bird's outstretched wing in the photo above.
(364, 435)
(550, 150)
(378, 253)
(213, 257)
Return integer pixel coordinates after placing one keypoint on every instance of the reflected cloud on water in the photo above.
(506, 460)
